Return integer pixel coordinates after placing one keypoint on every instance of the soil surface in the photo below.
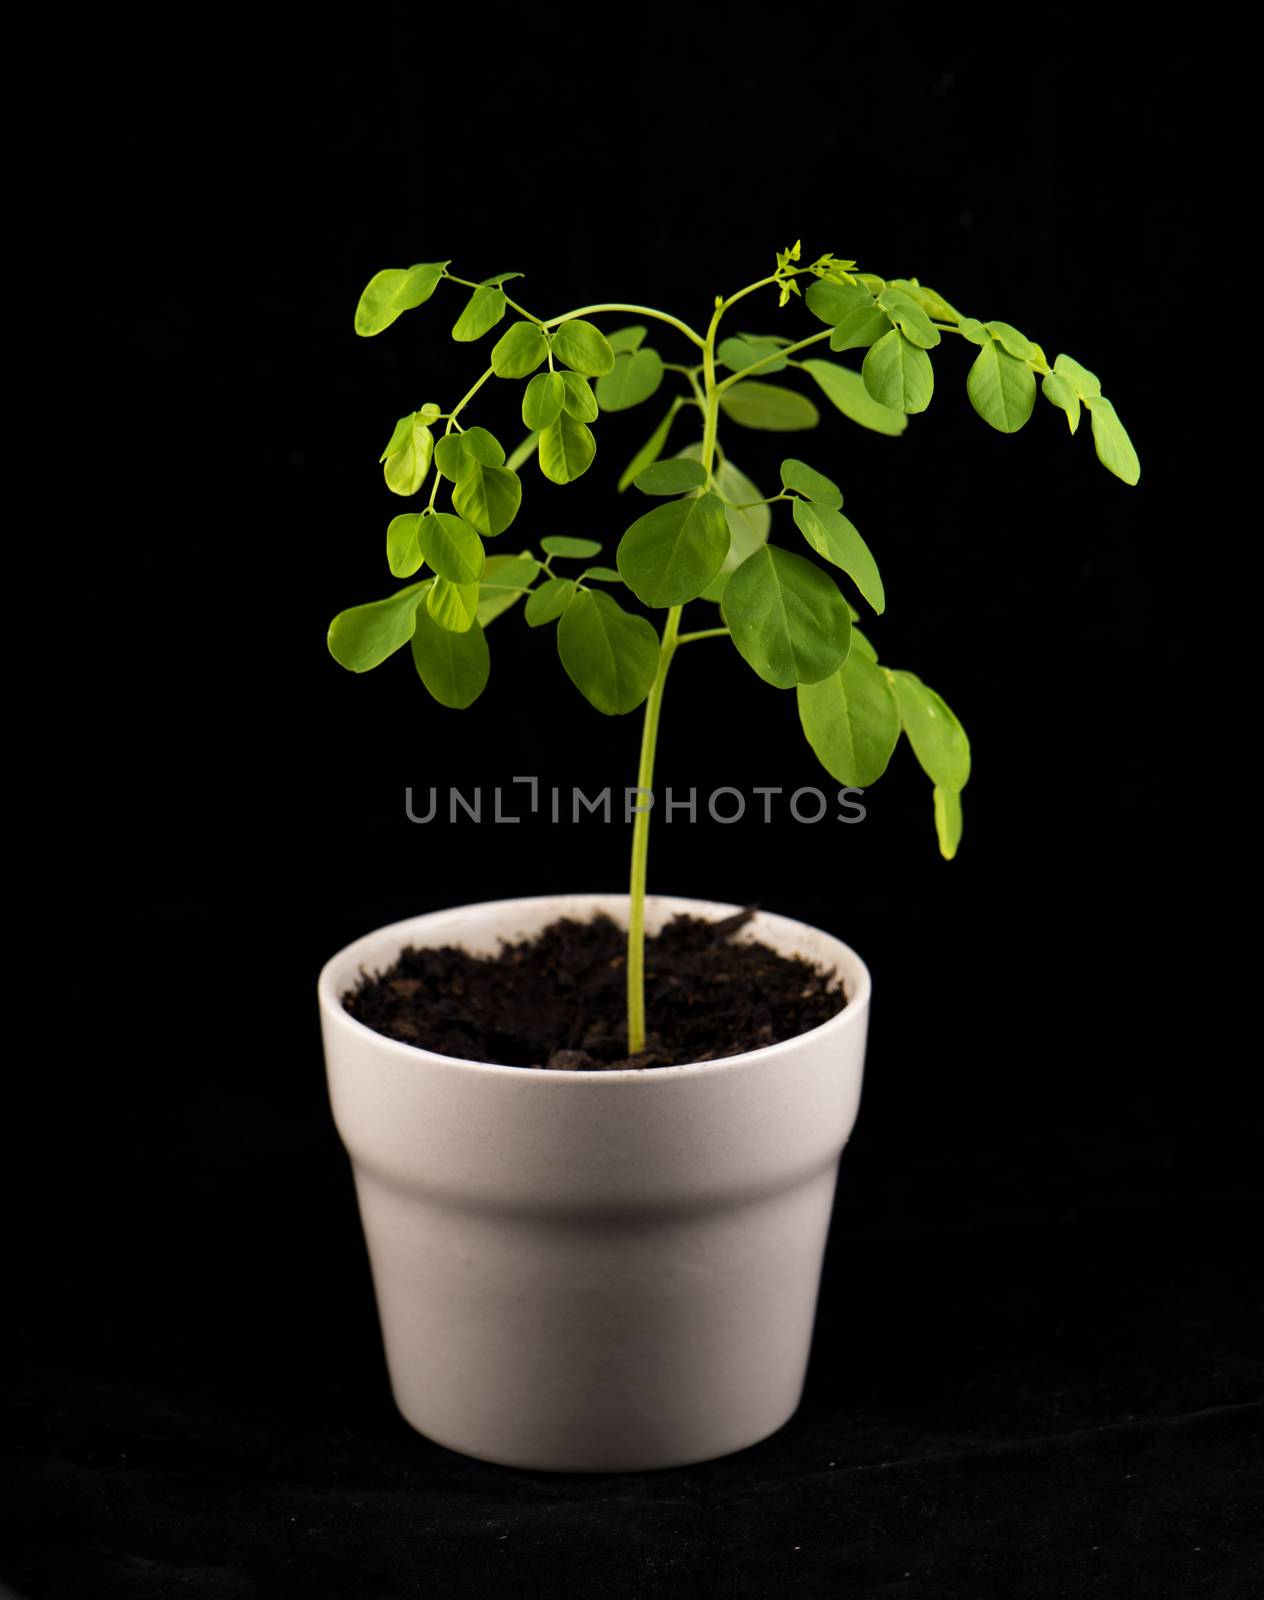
(558, 1000)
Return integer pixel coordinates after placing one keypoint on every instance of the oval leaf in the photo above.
(739, 353)
(938, 739)
(1002, 389)
(831, 302)
(650, 450)
(483, 310)
(787, 618)
(626, 338)
(453, 605)
(768, 406)
(908, 317)
(583, 348)
(406, 460)
(673, 552)
(836, 537)
(403, 552)
(852, 721)
(505, 578)
(610, 656)
(566, 449)
(451, 547)
(677, 476)
(519, 351)
(860, 328)
(898, 374)
(547, 603)
(393, 291)
(453, 666)
(363, 636)
(1114, 447)
(578, 400)
(1060, 391)
(749, 518)
(561, 544)
(633, 378)
(488, 498)
(542, 400)
(806, 480)
(846, 389)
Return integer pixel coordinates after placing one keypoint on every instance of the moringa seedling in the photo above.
(704, 533)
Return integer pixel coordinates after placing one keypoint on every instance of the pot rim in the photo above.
(851, 969)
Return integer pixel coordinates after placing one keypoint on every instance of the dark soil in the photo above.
(558, 1000)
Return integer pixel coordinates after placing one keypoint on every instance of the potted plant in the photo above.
(608, 1262)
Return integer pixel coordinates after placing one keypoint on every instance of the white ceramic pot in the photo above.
(594, 1271)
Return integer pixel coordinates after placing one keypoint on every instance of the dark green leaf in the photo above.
(393, 291)
(938, 739)
(583, 348)
(768, 406)
(807, 480)
(547, 603)
(898, 374)
(835, 537)
(566, 449)
(852, 720)
(1002, 389)
(673, 552)
(634, 377)
(542, 400)
(363, 636)
(846, 389)
(453, 666)
(610, 656)
(671, 477)
(451, 547)
(519, 351)
(787, 618)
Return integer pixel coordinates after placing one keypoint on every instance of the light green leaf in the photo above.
(1086, 384)
(1114, 447)
(504, 579)
(634, 377)
(948, 821)
(578, 400)
(677, 476)
(787, 618)
(560, 544)
(852, 720)
(933, 304)
(971, 328)
(739, 353)
(453, 605)
(835, 537)
(831, 302)
(1014, 343)
(542, 400)
(749, 520)
(403, 553)
(363, 636)
(846, 389)
(483, 310)
(484, 447)
(898, 374)
(457, 455)
(566, 449)
(859, 644)
(908, 317)
(451, 547)
(650, 450)
(1002, 389)
(807, 480)
(547, 603)
(768, 406)
(626, 338)
(393, 291)
(601, 574)
(673, 552)
(453, 666)
(938, 739)
(583, 348)
(488, 498)
(406, 459)
(450, 458)
(519, 351)
(1060, 391)
(860, 328)
(609, 655)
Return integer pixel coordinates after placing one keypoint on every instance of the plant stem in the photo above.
(702, 633)
(635, 311)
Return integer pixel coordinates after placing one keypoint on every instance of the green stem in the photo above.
(702, 633)
(634, 311)
(777, 355)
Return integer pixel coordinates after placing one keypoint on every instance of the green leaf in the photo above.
(403, 553)
(749, 520)
(1002, 389)
(578, 400)
(738, 353)
(601, 574)
(626, 338)
(938, 739)
(908, 317)
(457, 455)
(547, 603)
(363, 636)
(393, 291)
(1014, 343)
(673, 552)
(609, 655)
(860, 328)
(451, 547)
(560, 544)
(406, 459)
(768, 406)
(1114, 447)
(488, 498)
(835, 537)
(483, 310)
(677, 476)
(898, 374)
(852, 721)
(453, 605)
(859, 644)
(787, 618)
(971, 328)
(542, 400)
(450, 458)
(831, 302)
(504, 579)
(948, 821)
(634, 377)
(807, 480)
(453, 666)
(583, 348)
(566, 449)
(933, 304)
(484, 447)
(650, 450)
(1085, 383)
(519, 351)
(846, 389)
(1060, 391)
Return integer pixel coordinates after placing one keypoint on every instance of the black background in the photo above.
(1034, 1371)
